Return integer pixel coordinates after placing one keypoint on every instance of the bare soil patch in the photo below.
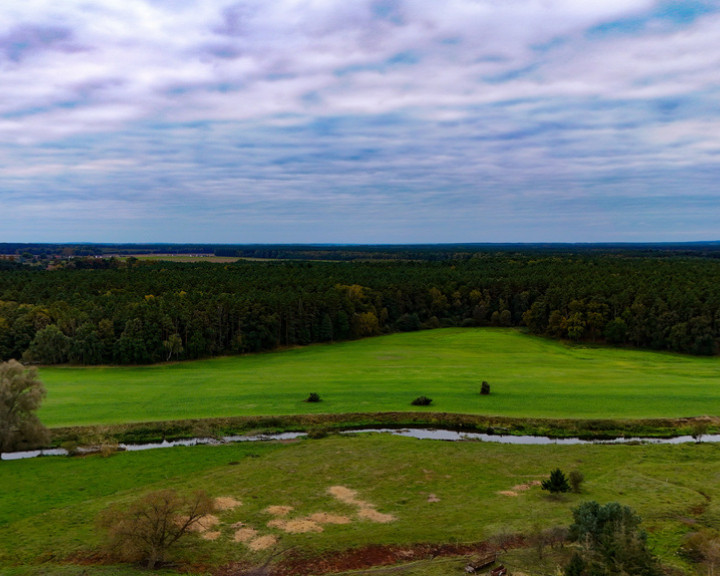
(374, 556)
(214, 535)
(508, 493)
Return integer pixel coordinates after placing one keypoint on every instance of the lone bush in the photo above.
(576, 479)
(485, 388)
(421, 401)
(314, 397)
(557, 482)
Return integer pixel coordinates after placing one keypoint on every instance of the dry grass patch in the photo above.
(262, 543)
(214, 535)
(298, 526)
(375, 516)
(223, 503)
(244, 534)
(526, 486)
(366, 510)
(279, 510)
(325, 518)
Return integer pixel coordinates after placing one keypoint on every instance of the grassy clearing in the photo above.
(183, 258)
(436, 492)
(530, 377)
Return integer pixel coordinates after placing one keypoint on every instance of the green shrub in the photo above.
(485, 388)
(314, 397)
(421, 401)
(556, 483)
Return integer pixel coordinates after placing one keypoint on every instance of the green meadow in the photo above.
(421, 491)
(529, 377)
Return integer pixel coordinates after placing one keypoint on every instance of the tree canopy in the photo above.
(21, 393)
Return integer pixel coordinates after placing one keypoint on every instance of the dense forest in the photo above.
(130, 311)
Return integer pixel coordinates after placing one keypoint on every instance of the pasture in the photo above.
(529, 377)
(323, 497)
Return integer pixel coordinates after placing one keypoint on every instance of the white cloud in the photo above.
(311, 107)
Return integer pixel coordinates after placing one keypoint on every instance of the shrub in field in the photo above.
(147, 528)
(576, 479)
(557, 482)
(611, 540)
(485, 388)
(421, 401)
(313, 397)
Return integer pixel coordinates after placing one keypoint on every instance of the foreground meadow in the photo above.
(529, 377)
(321, 498)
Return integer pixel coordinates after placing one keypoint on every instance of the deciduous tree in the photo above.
(145, 530)
(21, 393)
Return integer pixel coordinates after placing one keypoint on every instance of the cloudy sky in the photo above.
(365, 121)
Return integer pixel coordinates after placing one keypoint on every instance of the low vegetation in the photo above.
(331, 501)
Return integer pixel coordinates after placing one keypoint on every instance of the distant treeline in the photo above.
(93, 311)
(335, 252)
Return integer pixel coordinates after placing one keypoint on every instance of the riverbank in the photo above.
(319, 424)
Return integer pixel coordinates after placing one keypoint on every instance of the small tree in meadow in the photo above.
(576, 479)
(557, 483)
(485, 388)
(147, 528)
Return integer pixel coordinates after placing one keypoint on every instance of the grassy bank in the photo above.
(530, 377)
(320, 424)
(423, 492)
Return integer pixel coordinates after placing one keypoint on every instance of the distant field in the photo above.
(181, 258)
(529, 377)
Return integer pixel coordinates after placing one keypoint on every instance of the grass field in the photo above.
(184, 258)
(421, 492)
(529, 377)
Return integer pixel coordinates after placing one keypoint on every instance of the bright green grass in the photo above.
(48, 505)
(529, 377)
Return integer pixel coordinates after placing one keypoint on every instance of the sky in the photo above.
(363, 121)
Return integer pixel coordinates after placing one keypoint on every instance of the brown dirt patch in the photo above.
(507, 493)
(245, 534)
(211, 535)
(298, 526)
(373, 515)
(279, 510)
(226, 503)
(325, 518)
(433, 498)
(262, 543)
(375, 556)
